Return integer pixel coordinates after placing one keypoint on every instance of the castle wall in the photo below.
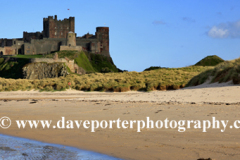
(71, 48)
(17, 44)
(27, 36)
(43, 46)
(86, 44)
(48, 60)
(28, 49)
(9, 51)
(2, 50)
(6, 42)
(14, 44)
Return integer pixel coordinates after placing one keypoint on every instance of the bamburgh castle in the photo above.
(57, 35)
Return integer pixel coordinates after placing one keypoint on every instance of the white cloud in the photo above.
(225, 30)
(216, 32)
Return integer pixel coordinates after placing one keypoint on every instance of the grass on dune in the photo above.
(159, 79)
(223, 72)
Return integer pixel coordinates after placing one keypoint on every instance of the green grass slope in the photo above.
(89, 62)
(102, 63)
(12, 69)
(29, 56)
(83, 61)
(223, 72)
(210, 61)
(79, 58)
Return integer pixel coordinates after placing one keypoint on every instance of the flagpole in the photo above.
(69, 12)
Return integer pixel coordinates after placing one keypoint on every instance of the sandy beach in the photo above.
(194, 103)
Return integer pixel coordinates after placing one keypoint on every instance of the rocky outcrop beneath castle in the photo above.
(40, 70)
(74, 68)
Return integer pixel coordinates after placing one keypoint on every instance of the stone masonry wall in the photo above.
(9, 51)
(47, 60)
(71, 48)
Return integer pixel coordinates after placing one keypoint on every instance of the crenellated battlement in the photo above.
(54, 28)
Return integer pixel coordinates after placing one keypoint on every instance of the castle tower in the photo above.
(53, 28)
(102, 34)
(71, 39)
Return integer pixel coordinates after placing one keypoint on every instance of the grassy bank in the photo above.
(12, 69)
(102, 63)
(223, 72)
(159, 79)
(89, 62)
(29, 56)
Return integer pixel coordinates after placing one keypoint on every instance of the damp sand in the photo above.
(14, 148)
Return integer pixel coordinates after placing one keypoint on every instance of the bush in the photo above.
(106, 70)
(210, 61)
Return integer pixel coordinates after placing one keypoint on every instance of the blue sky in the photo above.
(143, 33)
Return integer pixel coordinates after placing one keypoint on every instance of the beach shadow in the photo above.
(212, 85)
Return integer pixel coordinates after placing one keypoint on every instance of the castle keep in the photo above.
(57, 35)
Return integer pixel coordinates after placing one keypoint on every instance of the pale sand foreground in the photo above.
(127, 143)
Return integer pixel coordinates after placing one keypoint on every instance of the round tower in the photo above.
(71, 39)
